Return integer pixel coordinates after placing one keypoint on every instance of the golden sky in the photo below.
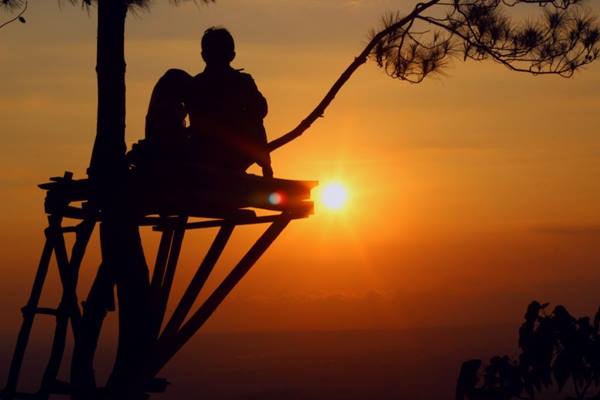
(470, 194)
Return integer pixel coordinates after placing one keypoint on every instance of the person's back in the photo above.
(165, 120)
(165, 140)
(226, 110)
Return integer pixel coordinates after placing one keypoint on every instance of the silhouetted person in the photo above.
(165, 120)
(226, 110)
(166, 137)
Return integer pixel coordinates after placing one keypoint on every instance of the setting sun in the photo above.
(334, 196)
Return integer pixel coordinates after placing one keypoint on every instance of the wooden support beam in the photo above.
(160, 264)
(28, 316)
(167, 282)
(198, 281)
(238, 221)
(167, 349)
(69, 297)
(68, 308)
(215, 223)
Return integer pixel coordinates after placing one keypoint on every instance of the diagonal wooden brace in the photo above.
(28, 317)
(69, 308)
(198, 281)
(164, 282)
(160, 264)
(168, 347)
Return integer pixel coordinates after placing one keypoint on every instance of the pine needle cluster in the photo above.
(559, 40)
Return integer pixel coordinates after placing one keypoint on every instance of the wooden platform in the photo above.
(214, 196)
(172, 202)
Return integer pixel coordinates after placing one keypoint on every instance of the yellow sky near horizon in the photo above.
(471, 193)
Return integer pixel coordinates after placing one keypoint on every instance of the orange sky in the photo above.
(471, 193)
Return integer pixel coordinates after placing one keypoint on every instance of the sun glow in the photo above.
(333, 196)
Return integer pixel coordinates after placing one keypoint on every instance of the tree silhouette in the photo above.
(558, 351)
(413, 46)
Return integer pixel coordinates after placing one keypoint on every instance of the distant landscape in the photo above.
(323, 365)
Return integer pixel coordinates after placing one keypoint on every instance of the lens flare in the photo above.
(275, 199)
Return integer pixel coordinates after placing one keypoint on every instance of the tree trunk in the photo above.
(108, 154)
(123, 261)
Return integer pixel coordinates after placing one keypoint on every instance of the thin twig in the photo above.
(358, 61)
(17, 17)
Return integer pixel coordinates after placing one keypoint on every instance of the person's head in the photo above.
(218, 47)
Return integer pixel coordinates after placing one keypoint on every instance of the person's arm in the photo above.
(258, 109)
(257, 104)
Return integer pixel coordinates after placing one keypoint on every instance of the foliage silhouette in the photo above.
(413, 46)
(557, 351)
(11, 6)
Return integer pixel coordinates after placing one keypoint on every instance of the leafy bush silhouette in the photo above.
(556, 349)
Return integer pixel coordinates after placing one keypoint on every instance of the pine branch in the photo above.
(319, 110)
(19, 17)
(412, 47)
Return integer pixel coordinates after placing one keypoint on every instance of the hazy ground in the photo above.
(408, 364)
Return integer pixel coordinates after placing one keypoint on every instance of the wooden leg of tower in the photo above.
(167, 283)
(167, 349)
(160, 264)
(28, 316)
(198, 281)
(68, 308)
(62, 313)
(83, 233)
(99, 300)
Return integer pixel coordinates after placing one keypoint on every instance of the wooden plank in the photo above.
(193, 202)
